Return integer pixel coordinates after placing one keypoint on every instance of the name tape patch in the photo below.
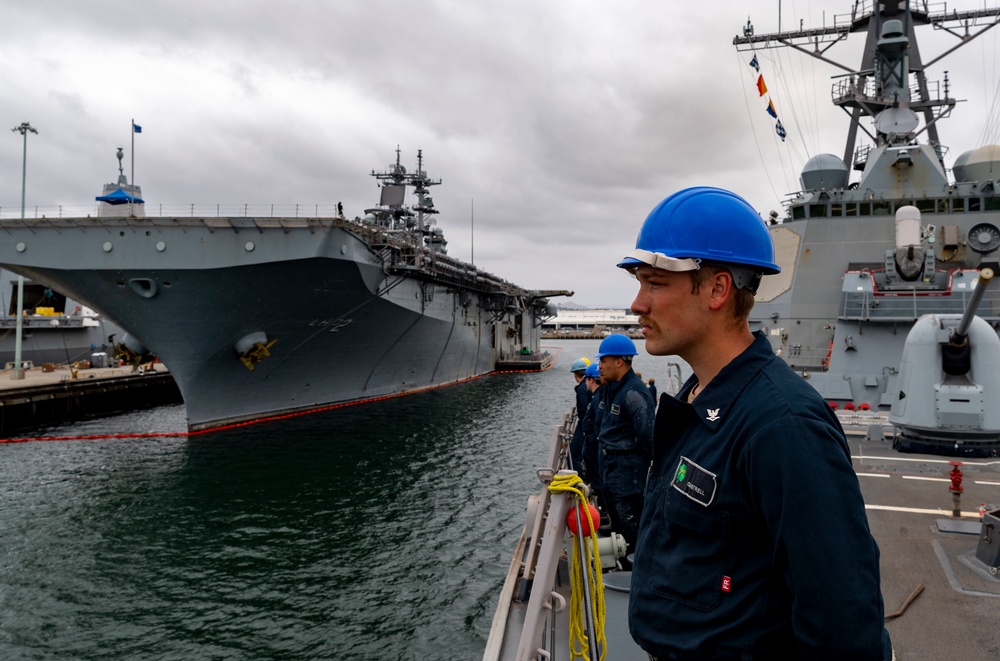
(695, 482)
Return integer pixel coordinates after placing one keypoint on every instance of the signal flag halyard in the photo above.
(761, 91)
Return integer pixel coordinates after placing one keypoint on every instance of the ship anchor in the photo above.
(256, 353)
(253, 348)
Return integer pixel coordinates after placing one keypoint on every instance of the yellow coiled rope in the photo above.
(579, 644)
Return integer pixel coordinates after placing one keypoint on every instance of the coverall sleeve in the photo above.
(643, 416)
(802, 483)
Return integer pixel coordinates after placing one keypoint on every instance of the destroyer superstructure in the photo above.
(259, 316)
(864, 258)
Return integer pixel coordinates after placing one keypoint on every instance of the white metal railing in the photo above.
(527, 558)
(217, 210)
(911, 305)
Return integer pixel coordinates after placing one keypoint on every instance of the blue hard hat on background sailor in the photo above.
(578, 368)
(726, 560)
(624, 435)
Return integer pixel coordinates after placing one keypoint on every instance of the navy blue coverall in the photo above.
(591, 464)
(625, 438)
(754, 543)
(576, 443)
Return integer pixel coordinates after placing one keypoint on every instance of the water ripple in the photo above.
(374, 532)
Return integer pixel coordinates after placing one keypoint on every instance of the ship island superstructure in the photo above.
(54, 328)
(863, 258)
(256, 317)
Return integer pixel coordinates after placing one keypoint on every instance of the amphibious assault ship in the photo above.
(260, 316)
(864, 256)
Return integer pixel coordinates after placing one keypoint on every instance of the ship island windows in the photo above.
(888, 207)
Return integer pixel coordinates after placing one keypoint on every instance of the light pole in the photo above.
(18, 372)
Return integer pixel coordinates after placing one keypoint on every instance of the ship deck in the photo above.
(941, 601)
(910, 512)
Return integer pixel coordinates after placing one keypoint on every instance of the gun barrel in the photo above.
(985, 276)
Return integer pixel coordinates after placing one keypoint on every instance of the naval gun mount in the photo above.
(949, 384)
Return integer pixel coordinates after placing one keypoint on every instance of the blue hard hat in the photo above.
(703, 223)
(616, 345)
(593, 371)
(579, 365)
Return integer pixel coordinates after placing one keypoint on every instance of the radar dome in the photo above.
(824, 172)
(958, 168)
(982, 165)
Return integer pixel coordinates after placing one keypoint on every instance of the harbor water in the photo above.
(380, 531)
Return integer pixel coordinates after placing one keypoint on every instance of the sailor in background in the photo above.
(734, 561)
(651, 384)
(578, 368)
(625, 435)
(591, 473)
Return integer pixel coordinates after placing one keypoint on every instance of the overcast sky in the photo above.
(560, 122)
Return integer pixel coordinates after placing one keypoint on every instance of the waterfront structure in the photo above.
(569, 322)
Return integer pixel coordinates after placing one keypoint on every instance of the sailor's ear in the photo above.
(721, 288)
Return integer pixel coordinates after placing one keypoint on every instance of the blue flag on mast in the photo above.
(754, 64)
(136, 128)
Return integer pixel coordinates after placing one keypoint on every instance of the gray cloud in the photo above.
(561, 123)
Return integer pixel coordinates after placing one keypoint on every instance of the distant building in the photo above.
(591, 323)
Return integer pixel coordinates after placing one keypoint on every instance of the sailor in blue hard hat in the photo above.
(590, 469)
(578, 368)
(702, 232)
(726, 559)
(624, 435)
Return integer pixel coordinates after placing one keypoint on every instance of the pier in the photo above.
(65, 394)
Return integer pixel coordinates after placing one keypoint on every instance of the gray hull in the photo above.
(345, 318)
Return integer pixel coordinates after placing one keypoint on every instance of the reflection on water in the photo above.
(374, 532)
